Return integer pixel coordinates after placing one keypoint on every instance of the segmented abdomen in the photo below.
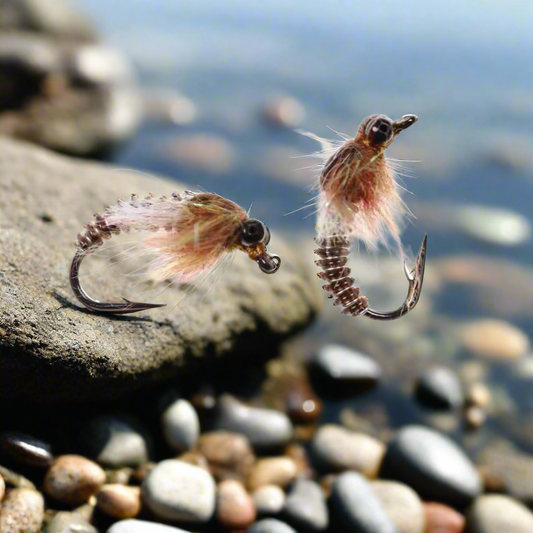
(333, 252)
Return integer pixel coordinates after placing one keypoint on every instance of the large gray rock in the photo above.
(51, 348)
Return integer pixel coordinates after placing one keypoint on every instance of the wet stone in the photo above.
(22, 511)
(433, 465)
(493, 513)
(235, 507)
(270, 525)
(402, 505)
(73, 479)
(335, 449)
(175, 490)
(119, 501)
(142, 526)
(181, 426)
(440, 388)
(269, 500)
(115, 442)
(66, 522)
(278, 471)
(265, 428)
(441, 518)
(305, 507)
(355, 507)
(25, 449)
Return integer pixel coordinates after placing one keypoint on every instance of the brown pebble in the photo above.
(142, 471)
(22, 511)
(2, 488)
(478, 395)
(121, 476)
(443, 519)
(278, 471)
(119, 501)
(195, 459)
(235, 507)
(73, 479)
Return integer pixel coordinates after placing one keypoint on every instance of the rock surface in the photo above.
(51, 348)
(494, 513)
(22, 511)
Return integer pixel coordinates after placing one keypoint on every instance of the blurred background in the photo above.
(210, 93)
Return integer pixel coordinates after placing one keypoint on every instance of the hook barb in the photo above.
(415, 278)
(101, 307)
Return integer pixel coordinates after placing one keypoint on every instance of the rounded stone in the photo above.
(478, 395)
(494, 513)
(181, 426)
(305, 507)
(441, 518)
(440, 388)
(22, 511)
(355, 507)
(270, 525)
(66, 522)
(265, 428)
(25, 449)
(119, 501)
(175, 490)
(73, 479)
(336, 449)
(402, 505)
(272, 471)
(494, 339)
(115, 441)
(142, 526)
(433, 465)
(269, 500)
(235, 507)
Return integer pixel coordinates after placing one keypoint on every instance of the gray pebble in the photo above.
(141, 526)
(181, 426)
(433, 465)
(115, 442)
(356, 508)
(175, 490)
(66, 522)
(440, 388)
(494, 513)
(270, 525)
(22, 511)
(265, 428)
(269, 500)
(25, 449)
(305, 507)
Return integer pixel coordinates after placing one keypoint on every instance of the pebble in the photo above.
(402, 505)
(96, 64)
(115, 442)
(2, 488)
(299, 455)
(352, 371)
(25, 449)
(439, 387)
(433, 465)
(443, 519)
(336, 448)
(494, 513)
(355, 508)
(73, 479)
(265, 428)
(66, 522)
(141, 526)
(181, 426)
(194, 458)
(478, 395)
(494, 339)
(119, 501)
(22, 511)
(122, 476)
(235, 507)
(175, 490)
(475, 417)
(284, 112)
(305, 507)
(270, 525)
(278, 471)
(269, 500)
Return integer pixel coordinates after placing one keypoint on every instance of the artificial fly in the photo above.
(188, 233)
(358, 199)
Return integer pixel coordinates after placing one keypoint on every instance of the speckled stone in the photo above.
(272, 471)
(175, 490)
(305, 507)
(494, 513)
(181, 426)
(119, 501)
(141, 526)
(73, 479)
(22, 511)
(269, 500)
(235, 507)
(270, 525)
(66, 522)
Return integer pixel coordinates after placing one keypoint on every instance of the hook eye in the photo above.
(269, 264)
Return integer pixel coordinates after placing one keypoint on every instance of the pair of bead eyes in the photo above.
(379, 130)
(254, 232)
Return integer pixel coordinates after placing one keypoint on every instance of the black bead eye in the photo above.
(253, 232)
(379, 130)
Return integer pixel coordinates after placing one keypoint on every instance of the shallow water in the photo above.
(464, 69)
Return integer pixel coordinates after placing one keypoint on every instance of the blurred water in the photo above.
(464, 68)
